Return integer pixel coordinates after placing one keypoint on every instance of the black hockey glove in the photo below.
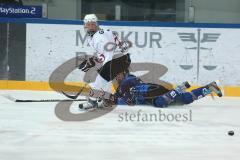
(88, 63)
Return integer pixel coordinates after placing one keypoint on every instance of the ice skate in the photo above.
(89, 104)
(92, 103)
(213, 87)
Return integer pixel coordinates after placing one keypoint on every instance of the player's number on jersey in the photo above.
(101, 31)
(173, 94)
(101, 58)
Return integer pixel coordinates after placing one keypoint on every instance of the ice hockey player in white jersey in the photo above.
(109, 64)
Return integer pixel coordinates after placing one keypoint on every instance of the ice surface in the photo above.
(30, 131)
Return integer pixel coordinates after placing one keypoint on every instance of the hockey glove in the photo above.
(88, 63)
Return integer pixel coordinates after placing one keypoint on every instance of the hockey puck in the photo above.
(230, 133)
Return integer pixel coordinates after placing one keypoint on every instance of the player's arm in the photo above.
(94, 60)
(123, 45)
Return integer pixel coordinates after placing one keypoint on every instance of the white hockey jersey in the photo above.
(104, 43)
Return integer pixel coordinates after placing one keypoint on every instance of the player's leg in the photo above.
(201, 92)
(102, 83)
(186, 97)
(112, 68)
(171, 96)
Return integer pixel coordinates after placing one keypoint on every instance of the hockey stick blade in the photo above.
(74, 96)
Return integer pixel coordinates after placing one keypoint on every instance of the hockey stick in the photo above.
(73, 96)
(96, 94)
(40, 100)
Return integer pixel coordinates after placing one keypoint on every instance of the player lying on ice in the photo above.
(132, 91)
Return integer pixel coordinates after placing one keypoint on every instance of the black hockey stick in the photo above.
(40, 100)
(50, 100)
(74, 96)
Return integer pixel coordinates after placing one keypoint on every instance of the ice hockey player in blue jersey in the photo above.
(132, 91)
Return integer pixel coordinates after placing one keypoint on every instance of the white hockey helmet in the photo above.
(91, 18)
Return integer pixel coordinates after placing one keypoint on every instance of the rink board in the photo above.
(197, 54)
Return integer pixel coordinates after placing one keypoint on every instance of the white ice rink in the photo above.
(31, 131)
